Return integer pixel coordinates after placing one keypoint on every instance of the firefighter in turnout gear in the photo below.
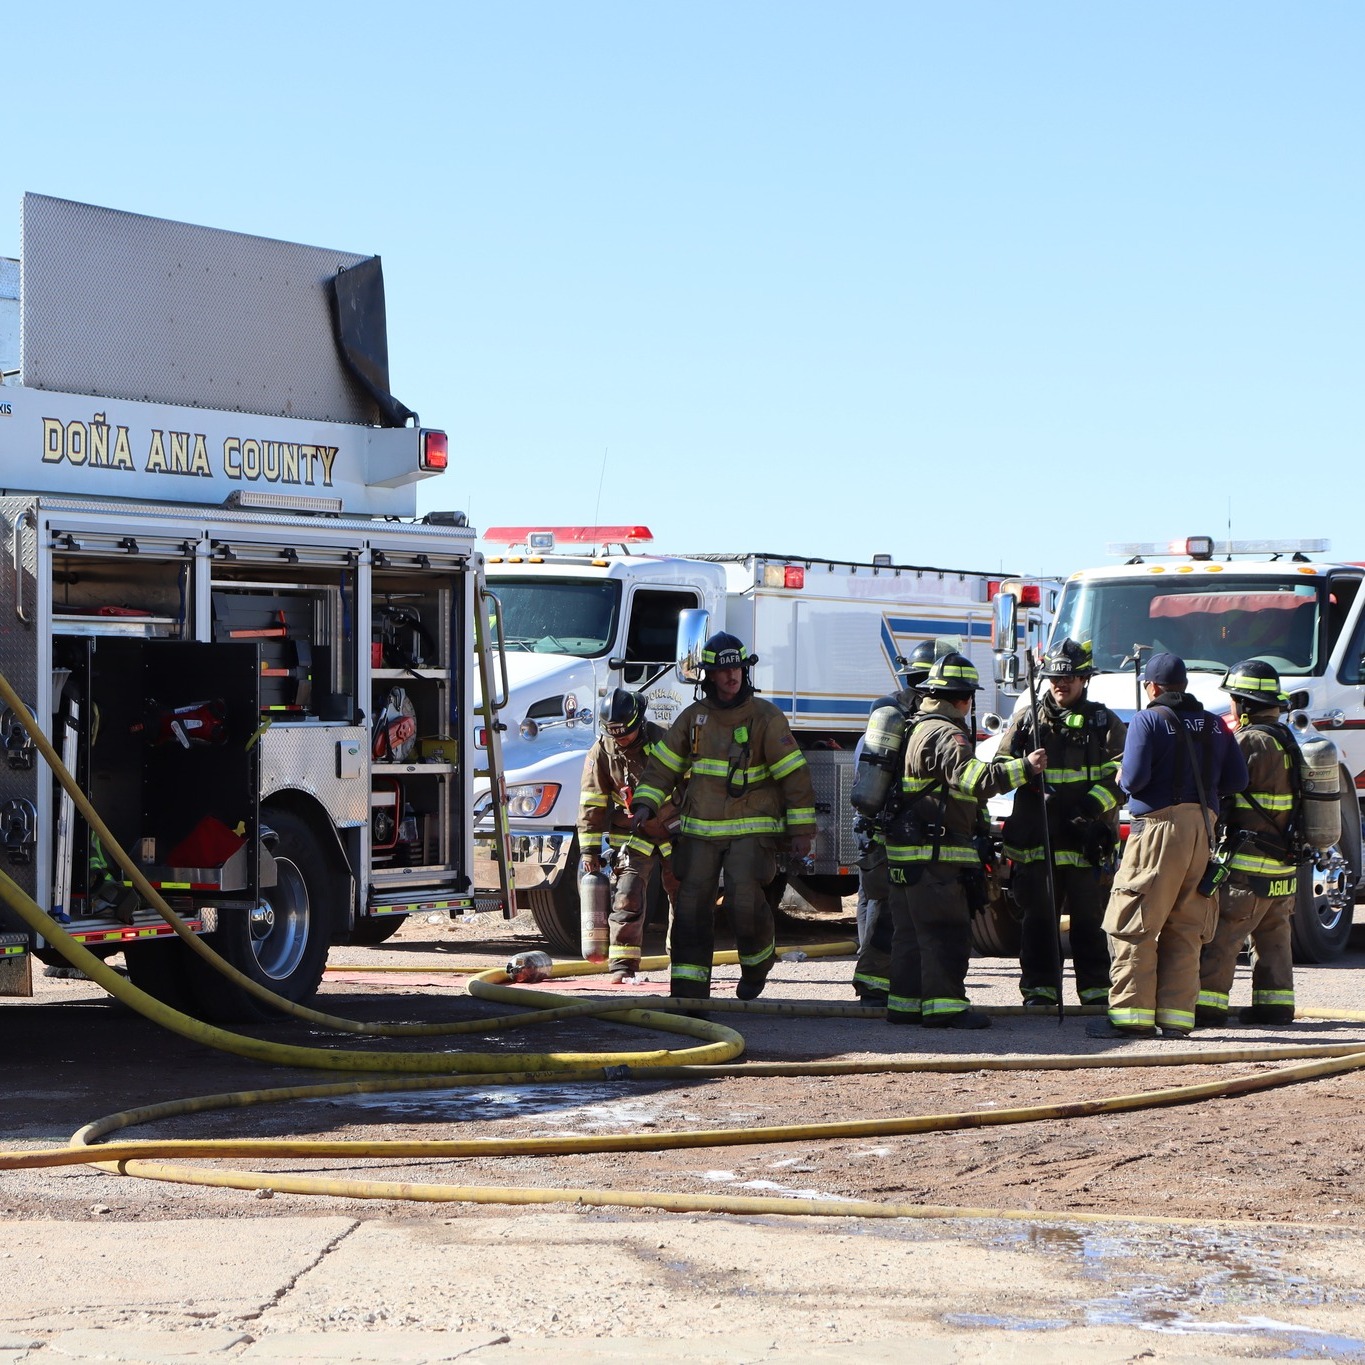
(872, 973)
(1258, 897)
(611, 775)
(748, 789)
(932, 851)
(1084, 742)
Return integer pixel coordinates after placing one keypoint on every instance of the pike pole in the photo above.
(1047, 835)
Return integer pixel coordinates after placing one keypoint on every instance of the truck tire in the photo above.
(373, 930)
(283, 943)
(1320, 931)
(555, 908)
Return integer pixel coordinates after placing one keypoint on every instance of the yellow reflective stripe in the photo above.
(913, 786)
(940, 1005)
(1260, 865)
(757, 959)
(675, 763)
(1132, 1018)
(1268, 800)
(1094, 993)
(650, 796)
(903, 1004)
(710, 767)
(593, 800)
(731, 829)
(1103, 797)
(639, 845)
(683, 972)
(1272, 998)
(801, 815)
(1182, 1019)
(924, 853)
(1214, 1000)
(621, 952)
(878, 983)
(794, 760)
(972, 775)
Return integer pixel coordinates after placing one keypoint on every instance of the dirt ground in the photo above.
(1292, 1153)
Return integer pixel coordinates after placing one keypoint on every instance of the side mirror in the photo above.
(694, 626)
(1298, 701)
(1005, 627)
(1007, 672)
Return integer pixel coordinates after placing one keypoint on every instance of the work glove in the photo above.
(592, 862)
(801, 845)
(639, 813)
(1096, 839)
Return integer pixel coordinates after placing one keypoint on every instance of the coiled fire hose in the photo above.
(454, 1069)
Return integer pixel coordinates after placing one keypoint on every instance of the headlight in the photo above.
(534, 799)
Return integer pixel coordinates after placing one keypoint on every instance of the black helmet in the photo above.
(915, 667)
(1255, 682)
(622, 712)
(1070, 659)
(724, 650)
(954, 675)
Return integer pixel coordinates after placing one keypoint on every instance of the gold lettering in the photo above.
(251, 459)
(199, 457)
(99, 440)
(180, 452)
(75, 442)
(327, 454)
(156, 456)
(270, 465)
(54, 448)
(123, 452)
(232, 458)
(289, 464)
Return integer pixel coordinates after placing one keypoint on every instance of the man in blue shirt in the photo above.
(1156, 919)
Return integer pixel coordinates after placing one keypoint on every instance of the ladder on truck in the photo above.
(492, 701)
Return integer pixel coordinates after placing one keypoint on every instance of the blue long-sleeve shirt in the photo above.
(1155, 758)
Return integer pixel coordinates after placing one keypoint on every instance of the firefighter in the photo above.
(748, 788)
(872, 973)
(610, 775)
(1258, 897)
(1084, 742)
(932, 850)
(1178, 761)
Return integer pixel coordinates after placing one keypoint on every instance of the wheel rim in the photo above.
(279, 924)
(1333, 891)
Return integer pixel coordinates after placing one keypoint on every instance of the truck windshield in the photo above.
(559, 615)
(1209, 622)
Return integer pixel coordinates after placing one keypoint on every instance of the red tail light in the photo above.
(435, 450)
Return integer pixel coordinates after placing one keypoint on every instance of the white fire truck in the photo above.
(585, 609)
(256, 662)
(1215, 603)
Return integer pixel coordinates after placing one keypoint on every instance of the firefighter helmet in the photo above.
(1254, 682)
(724, 650)
(1070, 659)
(954, 675)
(622, 712)
(914, 668)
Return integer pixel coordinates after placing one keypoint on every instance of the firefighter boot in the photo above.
(752, 980)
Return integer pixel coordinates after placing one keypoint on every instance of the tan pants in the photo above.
(1242, 914)
(1157, 921)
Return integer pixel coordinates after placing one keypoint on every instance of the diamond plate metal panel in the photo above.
(831, 772)
(304, 758)
(119, 305)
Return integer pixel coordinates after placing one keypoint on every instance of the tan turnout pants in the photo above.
(1266, 921)
(1158, 922)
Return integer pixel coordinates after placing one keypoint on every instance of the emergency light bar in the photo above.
(543, 539)
(280, 502)
(1205, 547)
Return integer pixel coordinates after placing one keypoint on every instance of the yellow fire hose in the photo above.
(446, 1070)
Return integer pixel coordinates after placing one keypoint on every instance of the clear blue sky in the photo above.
(978, 284)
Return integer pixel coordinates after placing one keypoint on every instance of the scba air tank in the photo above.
(594, 906)
(879, 760)
(1320, 784)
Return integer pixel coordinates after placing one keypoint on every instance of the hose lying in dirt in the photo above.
(443, 1070)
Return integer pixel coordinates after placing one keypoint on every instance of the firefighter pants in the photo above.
(748, 864)
(1242, 914)
(1082, 893)
(872, 974)
(929, 956)
(633, 872)
(1158, 922)
(903, 996)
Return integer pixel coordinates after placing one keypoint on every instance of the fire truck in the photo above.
(222, 609)
(585, 609)
(1215, 603)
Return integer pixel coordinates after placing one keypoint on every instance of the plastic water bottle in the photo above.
(528, 967)
(796, 955)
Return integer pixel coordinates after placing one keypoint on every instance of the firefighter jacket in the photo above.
(745, 774)
(1084, 744)
(944, 790)
(1259, 819)
(611, 776)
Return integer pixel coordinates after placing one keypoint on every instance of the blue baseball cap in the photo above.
(1166, 670)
